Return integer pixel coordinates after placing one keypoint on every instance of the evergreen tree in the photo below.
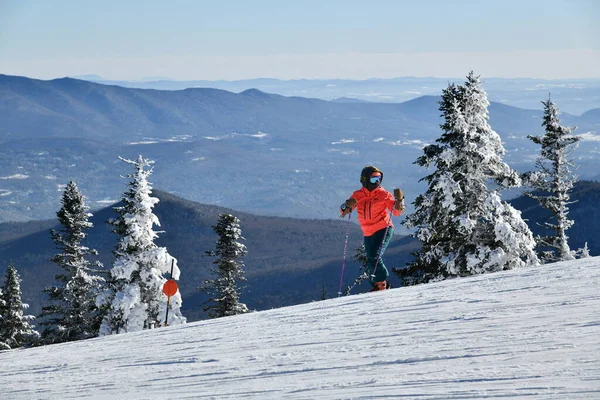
(73, 313)
(135, 300)
(360, 256)
(461, 221)
(553, 181)
(15, 328)
(584, 252)
(225, 288)
(323, 293)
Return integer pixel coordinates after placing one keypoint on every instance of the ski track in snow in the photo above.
(526, 334)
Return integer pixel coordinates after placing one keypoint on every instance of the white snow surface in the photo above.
(531, 333)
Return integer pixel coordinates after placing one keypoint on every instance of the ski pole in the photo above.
(344, 257)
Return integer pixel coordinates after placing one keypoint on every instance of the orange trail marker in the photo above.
(170, 288)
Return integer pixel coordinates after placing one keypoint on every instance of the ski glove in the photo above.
(346, 207)
(399, 196)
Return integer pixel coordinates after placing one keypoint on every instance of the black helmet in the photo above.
(366, 174)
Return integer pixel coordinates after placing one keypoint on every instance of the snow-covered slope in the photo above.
(531, 333)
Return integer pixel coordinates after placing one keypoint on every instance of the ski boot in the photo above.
(377, 286)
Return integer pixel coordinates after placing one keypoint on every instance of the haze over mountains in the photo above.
(576, 96)
(251, 151)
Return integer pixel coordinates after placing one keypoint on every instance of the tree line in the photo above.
(89, 301)
(464, 226)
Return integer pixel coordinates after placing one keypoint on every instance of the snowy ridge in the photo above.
(530, 333)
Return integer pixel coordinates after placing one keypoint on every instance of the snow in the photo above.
(525, 333)
(15, 176)
(589, 136)
(258, 135)
(419, 144)
(144, 142)
(107, 201)
(177, 138)
(344, 141)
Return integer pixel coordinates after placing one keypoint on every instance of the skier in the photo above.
(373, 203)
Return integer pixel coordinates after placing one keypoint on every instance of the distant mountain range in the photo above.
(253, 151)
(289, 261)
(574, 95)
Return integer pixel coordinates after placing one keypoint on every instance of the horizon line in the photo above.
(99, 78)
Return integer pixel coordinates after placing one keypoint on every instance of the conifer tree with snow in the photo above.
(552, 183)
(225, 288)
(360, 256)
(15, 328)
(73, 313)
(584, 252)
(464, 226)
(135, 300)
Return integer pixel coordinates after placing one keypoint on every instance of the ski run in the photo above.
(530, 333)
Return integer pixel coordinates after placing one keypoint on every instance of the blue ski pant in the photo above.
(375, 246)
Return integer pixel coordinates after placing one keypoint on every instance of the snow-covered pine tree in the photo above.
(552, 183)
(73, 313)
(584, 252)
(360, 256)
(135, 300)
(15, 328)
(225, 288)
(461, 221)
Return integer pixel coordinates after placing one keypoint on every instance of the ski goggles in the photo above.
(375, 178)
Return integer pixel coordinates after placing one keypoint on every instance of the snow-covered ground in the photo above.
(526, 334)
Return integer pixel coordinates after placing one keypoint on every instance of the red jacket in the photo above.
(374, 209)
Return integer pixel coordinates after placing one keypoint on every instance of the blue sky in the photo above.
(300, 39)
